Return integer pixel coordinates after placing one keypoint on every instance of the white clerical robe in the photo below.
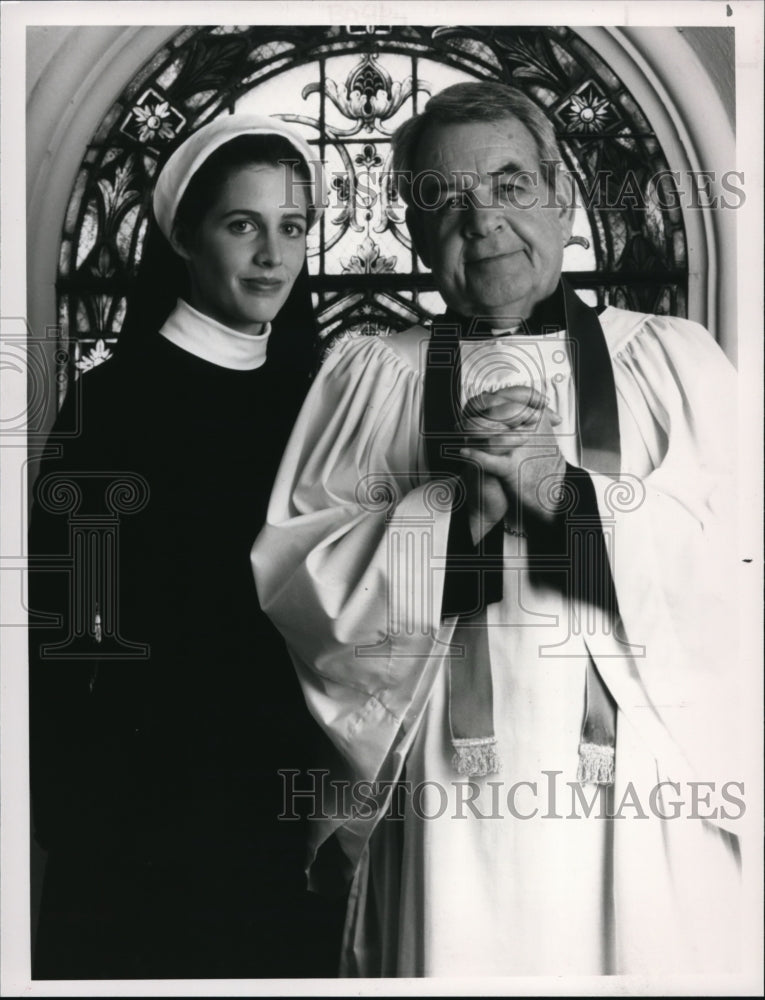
(507, 874)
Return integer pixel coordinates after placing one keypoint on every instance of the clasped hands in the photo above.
(511, 455)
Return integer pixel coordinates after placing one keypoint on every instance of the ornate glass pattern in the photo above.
(347, 89)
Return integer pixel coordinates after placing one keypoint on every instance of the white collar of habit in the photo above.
(212, 341)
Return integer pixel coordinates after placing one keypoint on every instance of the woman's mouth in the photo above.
(262, 285)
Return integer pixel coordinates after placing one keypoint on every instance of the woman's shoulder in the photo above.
(99, 388)
(102, 403)
(132, 368)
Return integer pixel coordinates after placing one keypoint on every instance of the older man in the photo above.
(489, 549)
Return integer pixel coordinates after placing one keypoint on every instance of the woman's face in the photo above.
(245, 254)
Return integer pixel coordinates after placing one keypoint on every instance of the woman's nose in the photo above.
(268, 252)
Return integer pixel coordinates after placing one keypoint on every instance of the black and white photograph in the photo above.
(381, 451)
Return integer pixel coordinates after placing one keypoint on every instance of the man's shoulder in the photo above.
(405, 349)
(410, 345)
(623, 327)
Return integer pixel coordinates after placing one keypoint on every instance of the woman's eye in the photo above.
(293, 229)
(241, 226)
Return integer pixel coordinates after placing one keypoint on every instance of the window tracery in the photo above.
(347, 89)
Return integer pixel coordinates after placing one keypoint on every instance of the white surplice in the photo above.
(350, 567)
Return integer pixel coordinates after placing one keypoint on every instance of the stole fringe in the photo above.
(596, 764)
(476, 756)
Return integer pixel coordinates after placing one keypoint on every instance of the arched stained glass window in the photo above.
(346, 89)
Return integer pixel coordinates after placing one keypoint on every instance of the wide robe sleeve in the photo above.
(349, 565)
(671, 523)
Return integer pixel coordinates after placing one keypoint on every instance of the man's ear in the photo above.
(178, 243)
(417, 232)
(565, 196)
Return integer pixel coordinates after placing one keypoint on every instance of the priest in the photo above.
(495, 551)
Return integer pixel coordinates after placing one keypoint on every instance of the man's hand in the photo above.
(487, 501)
(510, 444)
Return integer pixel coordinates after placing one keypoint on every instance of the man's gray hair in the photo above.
(483, 101)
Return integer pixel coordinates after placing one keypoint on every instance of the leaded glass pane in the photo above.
(588, 295)
(107, 124)
(435, 76)
(169, 75)
(73, 208)
(678, 242)
(268, 98)
(431, 303)
(64, 257)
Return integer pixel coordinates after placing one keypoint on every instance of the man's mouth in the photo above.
(491, 258)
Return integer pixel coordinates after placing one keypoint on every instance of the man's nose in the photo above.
(268, 252)
(482, 219)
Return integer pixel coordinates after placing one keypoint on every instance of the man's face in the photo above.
(495, 245)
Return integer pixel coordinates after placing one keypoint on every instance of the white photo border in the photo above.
(746, 18)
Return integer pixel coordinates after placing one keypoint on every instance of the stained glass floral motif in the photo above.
(117, 190)
(368, 157)
(346, 89)
(368, 97)
(95, 357)
(588, 111)
(367, 260)
(152, 118)
(529, 57)
(152, 121)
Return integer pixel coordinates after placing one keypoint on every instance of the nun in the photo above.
(163, 707)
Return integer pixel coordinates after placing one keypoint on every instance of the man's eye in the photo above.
(453, 203)
(514, 188)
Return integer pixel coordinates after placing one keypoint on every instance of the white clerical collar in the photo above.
(518, 329)
(212, 341)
